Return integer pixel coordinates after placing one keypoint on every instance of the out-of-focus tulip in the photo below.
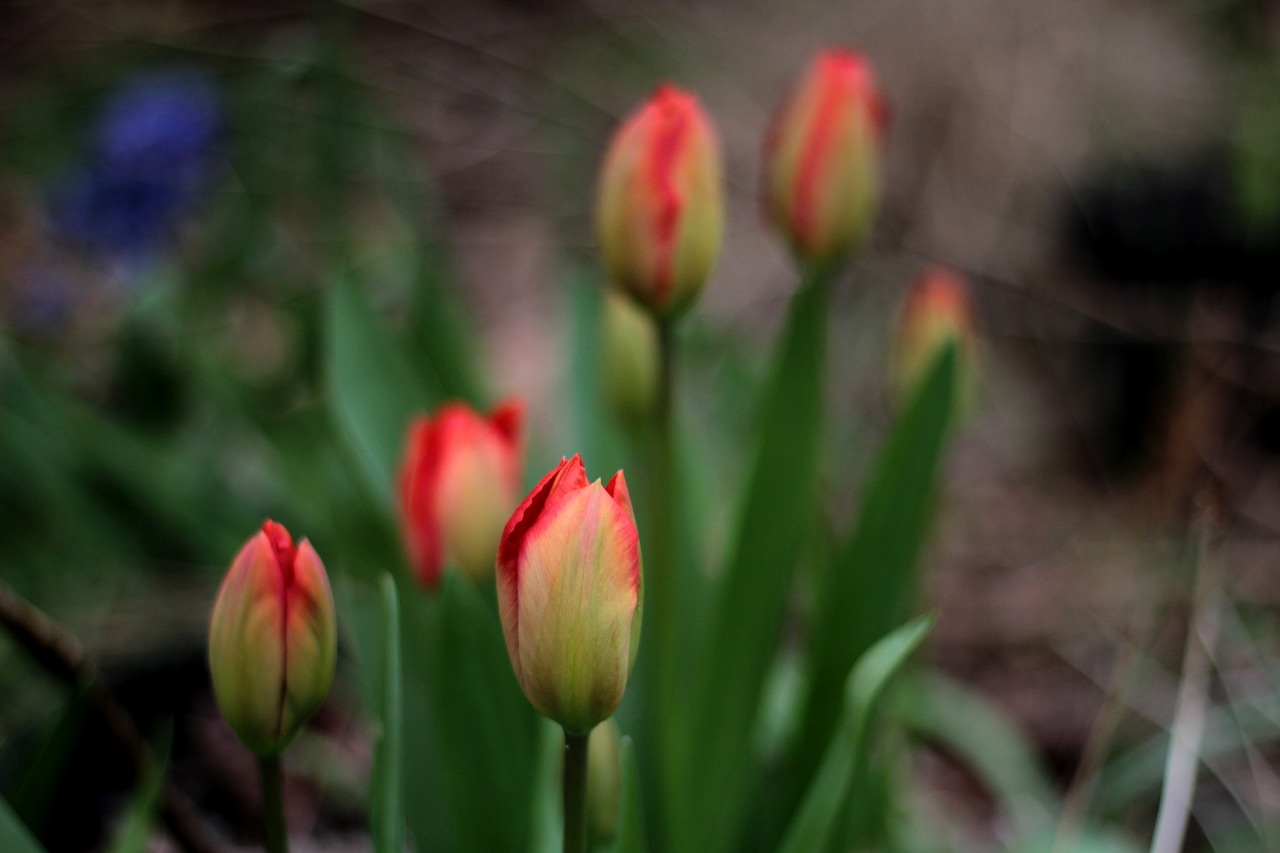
(604, 782)
(630, 358)
(660, 207)
(937, 311)
(459, 480)
(823, 158)
(569, 593)
(273, 640)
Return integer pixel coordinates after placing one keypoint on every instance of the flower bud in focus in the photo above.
(273, 640)
(937, 311)
(604, 782)
(630, 358)
(459, 480)
(569, 593)
(823, 158)
(660, 203)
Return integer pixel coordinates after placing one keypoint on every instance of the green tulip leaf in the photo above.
(845, 761)
(751, 597)
(371, 389)
(386, 806)
(983, 738)
(14, 835)
(872, 578)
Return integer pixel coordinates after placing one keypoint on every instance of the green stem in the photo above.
(664, 594)
(575, 792)
(273, 805)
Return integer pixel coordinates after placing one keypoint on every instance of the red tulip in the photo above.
(823, 156)
(937, 311)
(272, 639)
(660, 210)
(458, 482)
(569, 593)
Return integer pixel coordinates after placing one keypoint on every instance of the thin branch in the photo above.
(57, 651)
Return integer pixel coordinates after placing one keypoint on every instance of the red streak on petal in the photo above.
(835, 75)
(282, 548)
(508, 420)
(671, 121)
(418, 494)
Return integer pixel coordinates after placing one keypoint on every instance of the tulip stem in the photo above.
(575, 792)
(273, 805)
(664, 594)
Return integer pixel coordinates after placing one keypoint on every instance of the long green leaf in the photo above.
(488, 730)
(968, 726)
(14, 835)
(873, 576)
(832, 788)
(751, 598)
(371, 389)
(135, 833)
(387, 807)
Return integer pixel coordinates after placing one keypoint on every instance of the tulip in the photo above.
(630, 358)
(660, 211)
(272, 640)
(569, 593)
(604, 783)
(937, 311)
(823, 158)
(458, 482)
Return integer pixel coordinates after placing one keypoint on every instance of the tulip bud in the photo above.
(660, 209)
(458, 482)
(604, 782)
(823, 158)
(937, 311)
(273, 641)
(630, 358)
(569, 593)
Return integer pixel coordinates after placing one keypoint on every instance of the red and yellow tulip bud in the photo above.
(660, 206)
(273, 640)
(937, 311)
(823, 158)
(630, 358)
(459, 480)
(604, 783)
(569, 593)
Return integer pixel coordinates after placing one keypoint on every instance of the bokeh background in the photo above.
(183, 187)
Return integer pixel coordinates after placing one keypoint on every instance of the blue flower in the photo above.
(153, 150)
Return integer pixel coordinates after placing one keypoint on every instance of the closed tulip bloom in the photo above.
(569, 593)
(630, 358)
(604, 782)
(823, 158)
(937, 311)
(660, 207)
(272, 639)
(459, 480)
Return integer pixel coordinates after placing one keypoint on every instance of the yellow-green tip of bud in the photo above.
(630, 358)
(273, 640)
(604, 782)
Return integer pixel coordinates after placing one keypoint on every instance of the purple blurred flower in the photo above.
(153, 151)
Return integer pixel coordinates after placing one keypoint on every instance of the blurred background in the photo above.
(190, 191)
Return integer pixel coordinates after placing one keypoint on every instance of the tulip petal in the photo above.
(508, 420)
(577, 595)
(418, 500)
